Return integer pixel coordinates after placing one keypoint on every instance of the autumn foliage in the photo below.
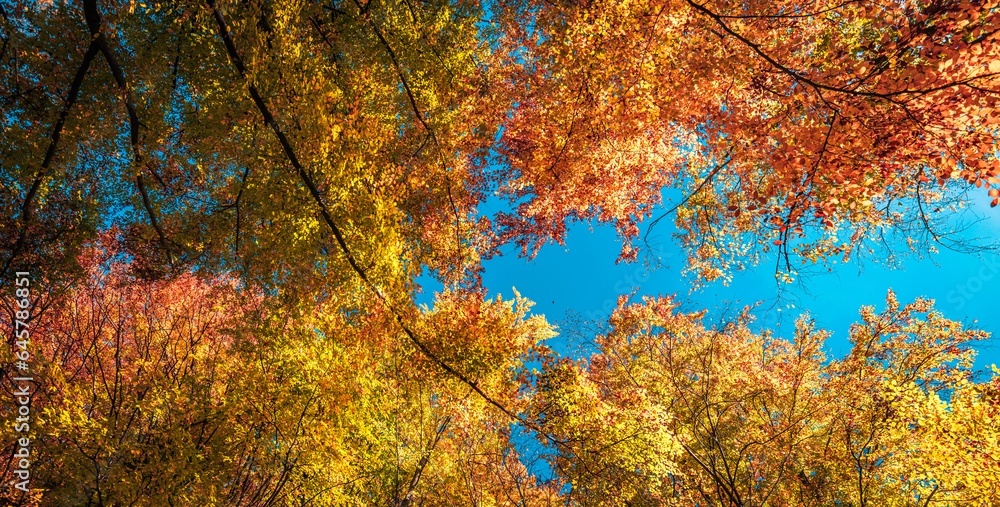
(225, 207)
(707, 416)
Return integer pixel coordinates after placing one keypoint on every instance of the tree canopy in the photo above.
(224, 207)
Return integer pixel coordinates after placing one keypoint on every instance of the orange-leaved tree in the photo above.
(801, 126)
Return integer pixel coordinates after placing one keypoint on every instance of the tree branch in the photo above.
(362, 273)
(704, 182)
(50, 152)
(818, 86)
(93, 17)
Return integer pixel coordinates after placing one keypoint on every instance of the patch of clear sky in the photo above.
(581, 279)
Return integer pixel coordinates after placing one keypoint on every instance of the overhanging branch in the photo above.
(93, 17)
(50, 152)
(269, 120)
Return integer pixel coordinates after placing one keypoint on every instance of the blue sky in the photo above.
(581, 276)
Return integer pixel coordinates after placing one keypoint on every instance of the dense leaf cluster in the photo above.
(224, 206)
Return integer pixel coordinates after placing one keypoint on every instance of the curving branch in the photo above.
(684, 201)
(819, 87)
(416, 111)
(50, 152)
(810, 14)
(361, 272)
(93, 17)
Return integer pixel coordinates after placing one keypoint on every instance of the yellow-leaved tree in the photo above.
(672, 412)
